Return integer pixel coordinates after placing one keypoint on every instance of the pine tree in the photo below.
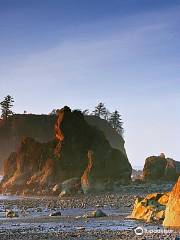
(116, 122)
(100, 110)
(107, 115)
(6, 106)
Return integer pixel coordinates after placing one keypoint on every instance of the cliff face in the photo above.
(160, 168)
(30, 166)
(41, 128)
(112, 136)
(172, 214)
(79, 150)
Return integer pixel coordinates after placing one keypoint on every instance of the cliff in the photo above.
(19, 126)
(112, 136)
(41, 129)
(78, 150)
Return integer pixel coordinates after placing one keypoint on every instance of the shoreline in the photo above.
(34, 221)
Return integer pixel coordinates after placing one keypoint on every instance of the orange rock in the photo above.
(85, 177)
(151, 208)
(172, 214)
(58, 132)
(164, 198)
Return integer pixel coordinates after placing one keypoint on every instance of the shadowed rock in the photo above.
(55, 214)
(41, 129)
(70, 186)
(95, 214)
(160, 168)
(40, 166)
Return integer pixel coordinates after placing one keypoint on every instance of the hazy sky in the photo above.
(125, 53)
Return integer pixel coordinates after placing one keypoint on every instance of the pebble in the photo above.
(55, 214)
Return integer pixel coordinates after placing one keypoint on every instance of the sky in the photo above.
(125, 53)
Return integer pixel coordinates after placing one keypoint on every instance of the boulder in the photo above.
(70, 186)
(160, 168)
(98, 213)
(78, 150)
(56, 189)
(11, 214)
(172, 213)
(95, 214)
(150, 208)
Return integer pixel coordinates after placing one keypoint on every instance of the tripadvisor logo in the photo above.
(139, 231)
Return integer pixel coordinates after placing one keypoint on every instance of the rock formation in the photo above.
(150, 208)
(31, 167)
(41, 128)
(115, 140)
(159, 206)
(38, 167)
(160, 168)
(172, 214)
(19, 126)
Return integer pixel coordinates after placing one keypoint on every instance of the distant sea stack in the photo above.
(160, 168)
(78, 150)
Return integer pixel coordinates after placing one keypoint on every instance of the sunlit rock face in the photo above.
(151, 208)
(85, 179)
(172, 214)
(78, 150)
(32, 167)
(160, 168)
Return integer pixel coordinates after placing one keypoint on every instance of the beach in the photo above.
(34, 220)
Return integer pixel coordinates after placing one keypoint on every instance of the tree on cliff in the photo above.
(6, 106)
(116, 122)
(100, 110)
(107, 115)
